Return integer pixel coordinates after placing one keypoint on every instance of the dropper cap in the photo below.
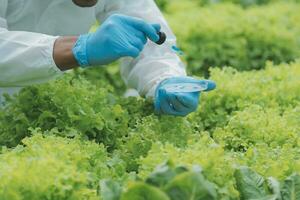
(162, 38)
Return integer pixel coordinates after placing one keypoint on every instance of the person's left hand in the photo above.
(178, 103)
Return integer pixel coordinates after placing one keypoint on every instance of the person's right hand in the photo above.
(117, 37)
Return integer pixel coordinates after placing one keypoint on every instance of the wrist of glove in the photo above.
(179, 103)
(119, 36)
(80, 50)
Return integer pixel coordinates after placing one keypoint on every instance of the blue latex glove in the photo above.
(175, 103)
(117, 37)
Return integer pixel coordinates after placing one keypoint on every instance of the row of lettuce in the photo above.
(228, 35)
(83, 134)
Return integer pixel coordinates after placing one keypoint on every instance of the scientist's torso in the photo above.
(52, 17)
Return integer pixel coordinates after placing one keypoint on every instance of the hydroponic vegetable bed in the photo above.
(78, 138)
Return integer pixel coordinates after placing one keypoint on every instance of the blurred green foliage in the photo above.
(227, 35)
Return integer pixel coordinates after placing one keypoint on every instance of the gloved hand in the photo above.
(178, 103)
(117, 37)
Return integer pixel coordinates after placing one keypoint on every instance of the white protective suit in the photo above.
(29, 28)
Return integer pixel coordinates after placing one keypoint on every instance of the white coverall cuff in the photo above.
(48, 54)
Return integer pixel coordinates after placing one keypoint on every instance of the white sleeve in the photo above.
(155, 63)
(25, 58)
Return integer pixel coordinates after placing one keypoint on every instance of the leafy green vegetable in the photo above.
(110, 190)
(164, 174)
(291, 188)
(53, 168)
(253, 186)
(274, 88)
(142, 191)
(190, 186)
(274, 186)
(250, 184)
